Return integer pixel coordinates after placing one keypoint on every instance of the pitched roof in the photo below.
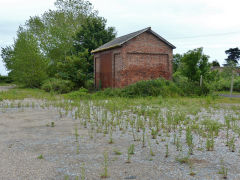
(117, 42)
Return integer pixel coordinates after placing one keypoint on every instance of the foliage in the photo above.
(63, 39)
(194, 64)
(57, 85)
(5, 79)
(55, 29)
(233, 55)
(26, 63)
(109, 92)
(189, 68)
(74, 68)
(180, 86)
(215, 63)
(68, 35)
(190, 88)
(176, 61)
(92, 34)
(82, 92)
(223, 79)
(7, 54)
(224, 84)
(157, 87)
(17, 93)
(89, 84)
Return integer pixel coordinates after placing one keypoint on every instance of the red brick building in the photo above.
(141, 55)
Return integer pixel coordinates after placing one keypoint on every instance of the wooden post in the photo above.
(201, 81)
(231, 88)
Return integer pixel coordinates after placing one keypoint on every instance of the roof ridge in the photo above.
(119, 41)
(135, 32)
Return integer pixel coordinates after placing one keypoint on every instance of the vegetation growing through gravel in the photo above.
(178, 127)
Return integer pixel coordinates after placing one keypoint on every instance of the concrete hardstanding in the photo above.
(141, 58)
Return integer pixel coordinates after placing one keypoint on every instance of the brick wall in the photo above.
(142, 58)
(145, 57)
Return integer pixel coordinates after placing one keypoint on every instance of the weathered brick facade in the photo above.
(143, 57)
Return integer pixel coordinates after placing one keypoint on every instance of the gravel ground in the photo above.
(25, 134)
(228, 95)
(5, 88)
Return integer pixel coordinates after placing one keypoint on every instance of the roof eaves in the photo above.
(104, 49)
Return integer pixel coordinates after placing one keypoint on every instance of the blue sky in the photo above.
(213, 25)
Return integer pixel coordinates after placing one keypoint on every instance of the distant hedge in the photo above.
(224, 84)
(5, 79)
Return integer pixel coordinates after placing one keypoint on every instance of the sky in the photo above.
(211, 24)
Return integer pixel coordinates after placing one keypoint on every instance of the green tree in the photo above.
(55, 29)
(74, 68)
(176, 61)
(7, 56)
(64, 38)
(92, 34)
(28, 65)
(194, 64)
(233, 55)
(215, 63)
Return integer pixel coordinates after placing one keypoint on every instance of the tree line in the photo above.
(194, 70)
(53, 51)
(58, 44)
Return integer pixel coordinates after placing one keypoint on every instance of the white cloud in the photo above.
(172, 19)
(14, 13)
(22, 9)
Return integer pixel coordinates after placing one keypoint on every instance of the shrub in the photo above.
(5, 79)
(77, 94)
(224, 84)
(89, 84)
(58, 85)
(157, 87)
(237, 84)
(189, 87)
(109, 92)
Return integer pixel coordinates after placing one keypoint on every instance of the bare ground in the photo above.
(26, 133)
(25, 136)
(5, 88)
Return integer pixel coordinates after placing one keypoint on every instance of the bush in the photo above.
(89, 84)
(157, 87)
(190, 87)
(82, 92)
(5, 79)
(57, 85)
(236, 85)
(224, 84)
(109, 92)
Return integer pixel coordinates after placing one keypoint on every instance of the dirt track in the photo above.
(228, 95)
(5, 88)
